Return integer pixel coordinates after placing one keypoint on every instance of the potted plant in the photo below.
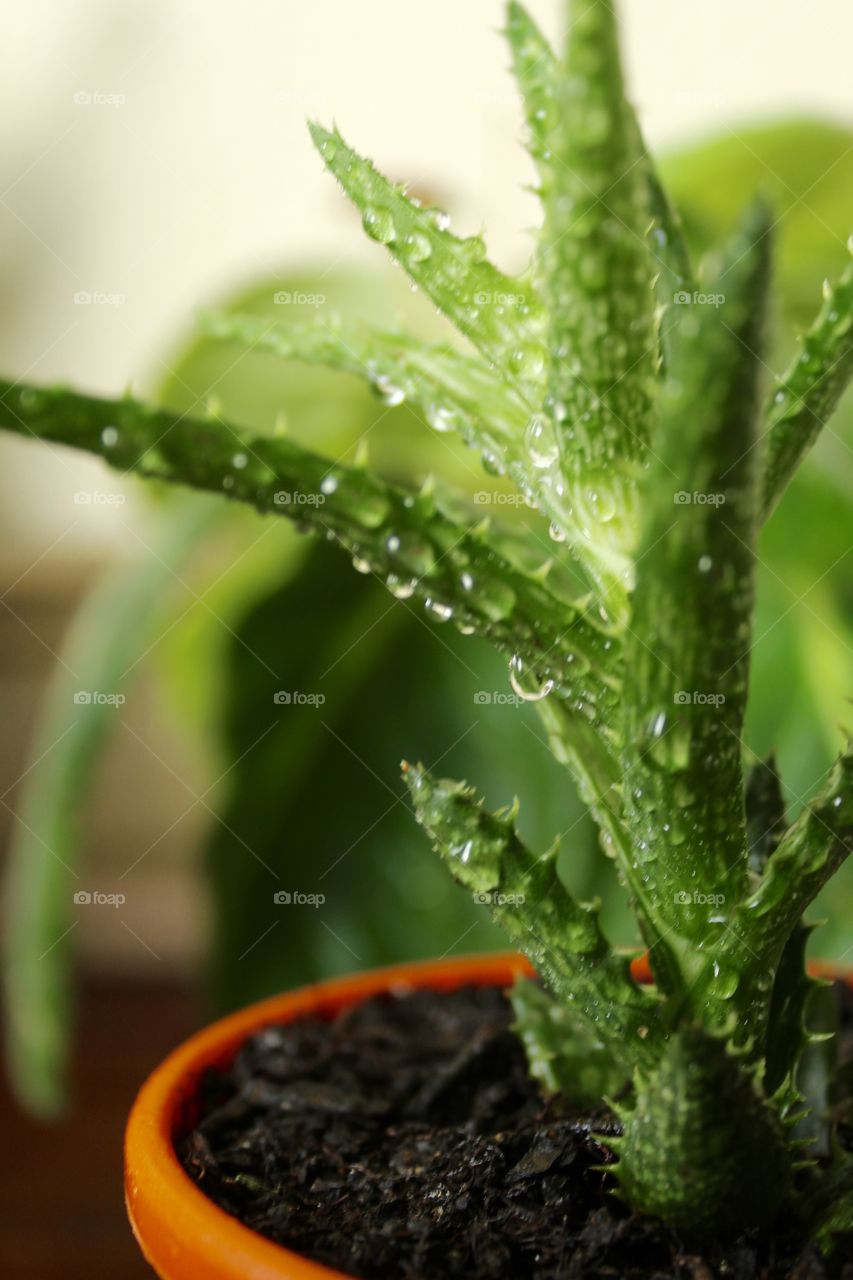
(625, 399)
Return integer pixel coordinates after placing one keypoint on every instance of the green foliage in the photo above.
(117, 622)
(629, 410)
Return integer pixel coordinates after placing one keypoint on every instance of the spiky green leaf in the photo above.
(499, 314)
(688, 1159)
(688, 642)
(565, 1054)
(804, 398)
(523, 892)
(404, 539)
(596, 273)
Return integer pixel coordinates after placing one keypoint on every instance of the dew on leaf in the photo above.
(379, 225)
(525, 684)
(541, 441)
(441, 612)
(418, 247)
(440, 417)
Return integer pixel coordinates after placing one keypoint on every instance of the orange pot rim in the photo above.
(182, 1233)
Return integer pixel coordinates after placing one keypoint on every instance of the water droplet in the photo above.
(492, 464)
(495, 599)
(360, 564)
(658, 724)
(439, 218)
(441, 612)
(328, 484)
(705, 564)
(725, 982)
(556, 533)
(418, 247)
(541, 441)
(467, 581)
(529, 361)
(109, 437)
(239, 461)
(390, 393)
(440, 418)
(402, 589)
(379, 225)
(524, 684)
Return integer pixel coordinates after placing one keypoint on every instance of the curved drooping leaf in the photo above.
(116, 623)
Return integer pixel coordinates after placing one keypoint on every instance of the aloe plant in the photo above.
(626, 399)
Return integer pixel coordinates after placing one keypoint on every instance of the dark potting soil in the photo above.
(405, 1140)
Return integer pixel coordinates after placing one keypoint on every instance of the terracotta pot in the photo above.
(182, 1233)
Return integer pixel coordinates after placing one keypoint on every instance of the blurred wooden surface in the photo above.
(61, 1208)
